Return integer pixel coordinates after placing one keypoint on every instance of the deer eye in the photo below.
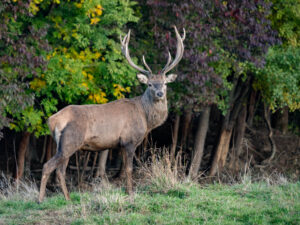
(149, 85)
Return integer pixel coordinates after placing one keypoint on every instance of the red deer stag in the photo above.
(119, 124)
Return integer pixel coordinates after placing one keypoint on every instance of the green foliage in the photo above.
(22, 48)
(86, 65)
(285, 19)
(279, 81)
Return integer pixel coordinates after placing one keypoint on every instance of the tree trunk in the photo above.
(175, 137)
(185, 127)
(102, 164)
(29, 156)
(199, 142)
(251, 108)
(94, 162)
(49, 149)
(282, 120)
(6, 156)
(21, 155)
(272, 142)
(44, 149)
(221, 152)
(239, 131)
(85, 163)
(237, 97)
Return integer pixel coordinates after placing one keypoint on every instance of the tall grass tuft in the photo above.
(160, 173)
(21, 190)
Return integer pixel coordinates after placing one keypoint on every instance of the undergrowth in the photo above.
(163, 195)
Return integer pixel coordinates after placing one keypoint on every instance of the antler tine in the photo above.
(179, 51)
(148, 68)
(125, 50)
(168, 63)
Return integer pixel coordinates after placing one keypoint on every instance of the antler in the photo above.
(125, 50)
(179, 52)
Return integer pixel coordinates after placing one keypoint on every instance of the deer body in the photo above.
(121, 124)
(108, 127)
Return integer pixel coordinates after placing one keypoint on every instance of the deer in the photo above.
(122, 123)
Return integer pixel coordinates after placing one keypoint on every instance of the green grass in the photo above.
(247, 203)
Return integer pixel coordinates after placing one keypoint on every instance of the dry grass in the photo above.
(160, 173)
(23, 189)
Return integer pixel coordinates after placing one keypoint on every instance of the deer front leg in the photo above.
(129, 153)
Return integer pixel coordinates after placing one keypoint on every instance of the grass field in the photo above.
(181, 203)
(163, 195)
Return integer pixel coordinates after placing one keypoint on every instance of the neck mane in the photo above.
(156, 111)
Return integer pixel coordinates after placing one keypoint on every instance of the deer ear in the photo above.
(142, 78)
(170, 78)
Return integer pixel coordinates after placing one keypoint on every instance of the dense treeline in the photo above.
(240, 72)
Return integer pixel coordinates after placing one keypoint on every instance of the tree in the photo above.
(223, 38)
(278, 82)
(22, 51)
(85, 65)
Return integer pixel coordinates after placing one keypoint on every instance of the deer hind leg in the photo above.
(48, 168)
(69, 142)
(61, 173)
(129, 153)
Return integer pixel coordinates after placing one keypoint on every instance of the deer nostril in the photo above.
(160, 94)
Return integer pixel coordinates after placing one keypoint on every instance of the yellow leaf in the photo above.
(84, 73)
(78, 5)
(85, 85)
(37, 84)
(12, 126)
(97, 55)
(98, 11)
(33, 8)
(97, 98)
(95, 20)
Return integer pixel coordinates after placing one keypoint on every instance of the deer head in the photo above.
(156, 82)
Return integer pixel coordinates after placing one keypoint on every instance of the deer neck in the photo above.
(156, 111)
